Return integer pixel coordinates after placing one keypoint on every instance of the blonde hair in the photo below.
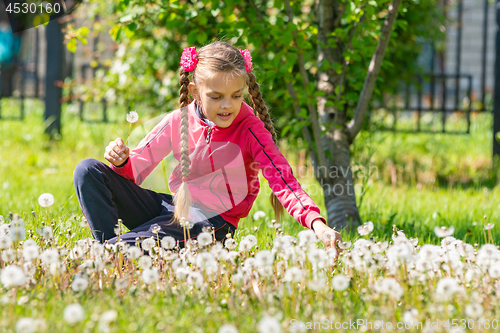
(214, 58)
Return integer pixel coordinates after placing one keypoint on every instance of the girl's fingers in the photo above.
(112, 153)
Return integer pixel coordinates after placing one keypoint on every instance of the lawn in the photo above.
(421, 181)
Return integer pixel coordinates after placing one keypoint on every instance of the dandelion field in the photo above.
(426, 257)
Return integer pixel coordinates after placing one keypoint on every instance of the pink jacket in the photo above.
(224, 165)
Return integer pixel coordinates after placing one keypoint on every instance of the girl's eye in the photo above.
(218, 97)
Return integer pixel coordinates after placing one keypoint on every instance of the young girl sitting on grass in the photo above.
(221, 144)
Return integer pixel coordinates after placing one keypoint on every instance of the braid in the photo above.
(263, 114)
(182, 199)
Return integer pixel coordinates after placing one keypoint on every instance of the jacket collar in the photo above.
(245, 111)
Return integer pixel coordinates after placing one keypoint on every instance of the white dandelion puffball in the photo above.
(168, 242)
(79, 284)
(74, 313)
(205, 239)
(442, 232)
(446, 288)
(5, 242)
(30, 325)
(150, 275)
(134, 252)
(366, 228)
(258, 214)
(108, 316)
(269, 325)
(145, 262)
(132, 117)
(12, 275)
(148, 244)
(228, 328)
(340, 282)
(46, 200)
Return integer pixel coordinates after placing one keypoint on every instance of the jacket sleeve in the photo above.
(276, 169)
(148, 154)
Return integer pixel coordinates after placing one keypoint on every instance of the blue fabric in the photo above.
(9, 45)
(208, 122)
(105, 197)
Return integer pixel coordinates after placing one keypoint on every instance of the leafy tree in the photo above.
(311, 59)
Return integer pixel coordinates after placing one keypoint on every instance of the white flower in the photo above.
(248, 243)
(494, 270)
(230, 244)
(294, 274)
(73, 313)
(150, 275)
(46, 200)
(145, 262)
(228, 328)
(46, 233)
(307, 237)
(489, 226)
(30, 325)
(446, 287)
(121, 283)
(168, 242)
(366, 228)
(390, 287)
(264, 258)
(9, 255)
(340, 282)
(12, 275)
(132, 117)
(17, 232)
(79, 284)
(474, 310)
(195, 279)
(134, 252)
(106, 319)
(258, 214)
(269, 325)
(5, 242)
(204, 239)
(344, 245)
(444, 231)
(410, 316)
(49, 256)
(148, 244)
(30, 252)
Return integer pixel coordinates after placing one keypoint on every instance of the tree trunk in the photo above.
(336, 176)
(337, 182)
(338, 186)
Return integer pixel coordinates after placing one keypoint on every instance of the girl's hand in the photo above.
(327, 235)
(116, 152)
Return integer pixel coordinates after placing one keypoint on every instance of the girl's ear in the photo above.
(193, 90)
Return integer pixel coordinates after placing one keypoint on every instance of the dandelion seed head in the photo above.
(132, 117)
(228, 328)
(148, 244)
(442, 232)
(150, 275)
(269, 324)
(205, 239)
(258, 214)
(12, 275)
(73, 313)
(145, 262)
(46, 200)
(168, 242)
(340, 282)
(79, 284)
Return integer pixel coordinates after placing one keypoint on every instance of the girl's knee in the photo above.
(84, 168)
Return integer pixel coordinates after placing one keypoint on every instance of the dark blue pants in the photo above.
(105, 197)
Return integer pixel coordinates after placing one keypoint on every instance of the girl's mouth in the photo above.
(224, 116)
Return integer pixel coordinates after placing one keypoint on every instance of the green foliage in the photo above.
(151, 37)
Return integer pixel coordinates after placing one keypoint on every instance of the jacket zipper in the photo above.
(207, 139)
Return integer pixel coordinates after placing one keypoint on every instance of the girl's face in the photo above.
(221, 98)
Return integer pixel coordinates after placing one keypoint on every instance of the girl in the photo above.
(221, 145)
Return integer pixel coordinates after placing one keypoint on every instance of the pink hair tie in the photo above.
(189, 58)
(248, 59)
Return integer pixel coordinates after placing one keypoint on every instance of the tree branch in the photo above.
(305, 82)
(359, 115)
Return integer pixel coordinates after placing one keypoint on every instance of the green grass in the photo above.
(30, 165)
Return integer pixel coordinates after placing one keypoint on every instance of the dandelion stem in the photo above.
(129, 127)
